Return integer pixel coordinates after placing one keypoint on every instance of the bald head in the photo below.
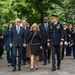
(45, 19)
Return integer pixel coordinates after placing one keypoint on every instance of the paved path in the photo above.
(67, 68)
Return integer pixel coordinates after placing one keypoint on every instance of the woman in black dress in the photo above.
(73, 38)
(69, 39)
(35, 44)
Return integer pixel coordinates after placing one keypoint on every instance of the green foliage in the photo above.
(35, 10)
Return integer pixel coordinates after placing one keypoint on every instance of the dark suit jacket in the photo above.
(73, 36)
(7, 36)
(44, 33)
(27, 31)
(17, 39)
(69, 32)
(35, 38)
(56, 33)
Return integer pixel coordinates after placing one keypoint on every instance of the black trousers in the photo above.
(62, 52)
(45, 47)
(49, 53)
(24, 54)
(68, 51)
(55, 51)
(14, 61)
(1, 49)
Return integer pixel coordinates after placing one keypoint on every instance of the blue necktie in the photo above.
(18, 29)
(46, 26)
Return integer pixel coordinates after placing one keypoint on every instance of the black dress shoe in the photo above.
(19, 69)
(1, 58)
(14, 70)
(23, 64)
(58, 68)
(53, 69)
(49, 61)
(28, 61)
(45, 63)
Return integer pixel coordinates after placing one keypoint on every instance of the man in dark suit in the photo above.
(44, 34)
(27, 30)
(56, 40)
(17, 41)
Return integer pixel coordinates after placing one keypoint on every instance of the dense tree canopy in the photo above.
(35, 10)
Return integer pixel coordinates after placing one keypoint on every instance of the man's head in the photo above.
(64, 24)
(45, 19)
(24, 22)
(54, 18)
(17, 21)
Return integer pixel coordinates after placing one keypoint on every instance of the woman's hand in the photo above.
(24, 45)
(11, 45)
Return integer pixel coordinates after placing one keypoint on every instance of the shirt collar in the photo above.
(46, 23)
(17, 26)
(65, 28)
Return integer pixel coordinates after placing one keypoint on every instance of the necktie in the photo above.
(18, 29)
(25, 28)
(46, 26)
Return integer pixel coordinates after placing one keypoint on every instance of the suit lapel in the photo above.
(16, 30)
(20, 31)
(44, 27)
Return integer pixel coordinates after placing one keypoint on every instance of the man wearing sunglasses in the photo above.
(17, 41)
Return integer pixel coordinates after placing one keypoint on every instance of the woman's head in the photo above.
(28, 25)
(34, 27)
(70, 26)
(10, 25)
(74, 27)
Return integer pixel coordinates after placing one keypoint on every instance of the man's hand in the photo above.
(2, 37)
(61, 43)
(48, 44)
(72, 43)
(69, 35)
(24, 45)
(11, 45)
(40, 47)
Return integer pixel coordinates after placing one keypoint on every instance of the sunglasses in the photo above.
(45, 19)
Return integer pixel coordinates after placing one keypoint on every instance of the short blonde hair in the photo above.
(35, 24)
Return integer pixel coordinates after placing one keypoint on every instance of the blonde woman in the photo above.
(35, 44)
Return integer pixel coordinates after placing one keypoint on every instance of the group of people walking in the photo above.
(38, 42)
(69, 40)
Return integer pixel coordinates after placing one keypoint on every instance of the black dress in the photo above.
(69, 39)
(35, 43)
